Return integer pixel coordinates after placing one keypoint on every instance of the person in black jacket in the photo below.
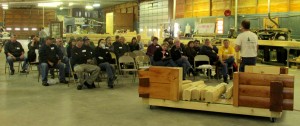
(70, 45)
(14, 52)
(191, 52)
(33, 45)
(134, 45)
(162, 56)
(50, 56)
(103, 57)
(177, 53)
(197, 46)
(210, 51)
(120, 48)
(81, 60)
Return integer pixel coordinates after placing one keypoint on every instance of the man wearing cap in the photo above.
(50, 56)
(81, 59)
(88, 43)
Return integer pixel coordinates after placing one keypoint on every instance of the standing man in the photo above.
(50, 56)
(14, 52)
(247, 44)
(81, 60)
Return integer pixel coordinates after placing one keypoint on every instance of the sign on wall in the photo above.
(206, 28)
(79, 21)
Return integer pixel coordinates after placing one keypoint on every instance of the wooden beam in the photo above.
(276, 96)
(214, 94)
(236, 89)
(229, 92)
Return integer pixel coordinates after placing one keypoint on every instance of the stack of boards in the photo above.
(199, 91)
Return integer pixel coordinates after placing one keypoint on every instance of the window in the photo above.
(220, 26)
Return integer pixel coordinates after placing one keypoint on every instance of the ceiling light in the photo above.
(34, 29)
(88, 7)
(61, 8)
(71, 4)
(53, 4)
(25, 29)
(17, 29)
(96, 5)
(5, 7)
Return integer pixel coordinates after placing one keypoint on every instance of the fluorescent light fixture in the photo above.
(61, 8)
(8, 29)
(141, 30)
(89, 7)
(34, 29)
(71, 4)
(52, 4)
(5, 7)
(96, 5)
(25, 29)
(176, 29)
(150, 30)
(17, 29)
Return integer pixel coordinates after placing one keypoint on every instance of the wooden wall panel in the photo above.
(27, 18)
(295, 5)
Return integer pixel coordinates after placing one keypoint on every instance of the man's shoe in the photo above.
(45, 84)
(12, 72)
(110, 83)
(115, 77)
(88, 85)
(79, 87)
(64, 82)
(23, 71)
(93, 85)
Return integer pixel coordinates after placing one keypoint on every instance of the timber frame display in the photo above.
(254, 94)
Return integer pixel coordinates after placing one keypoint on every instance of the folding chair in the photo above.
(143, 62)
(204, 67)
(125, 60)
(7, 66)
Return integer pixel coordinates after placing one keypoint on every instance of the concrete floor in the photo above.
(25, 102)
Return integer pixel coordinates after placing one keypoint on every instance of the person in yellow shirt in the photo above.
(226, 57)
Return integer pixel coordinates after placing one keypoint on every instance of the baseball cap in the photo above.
(85, 38)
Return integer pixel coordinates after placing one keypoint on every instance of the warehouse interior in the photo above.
(265, 94)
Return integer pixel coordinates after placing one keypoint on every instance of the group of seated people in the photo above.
(82, 56)
(176, 54)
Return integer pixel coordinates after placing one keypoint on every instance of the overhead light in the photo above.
(5, 7)
(8, 29)
(25, 29)
(96, 5)
(17, 29)
(61, 8)
(71, 4)
(52, 4)
(89, 7)
(34, 29)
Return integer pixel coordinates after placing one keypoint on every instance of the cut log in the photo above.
(187, 93)
(196, 92)
(215, 93)
(228, 93)
(186, 81)
(202, 92)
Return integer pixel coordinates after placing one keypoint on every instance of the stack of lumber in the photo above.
(198, 91)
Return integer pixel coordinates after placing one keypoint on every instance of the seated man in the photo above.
(162, 56)
(103, 57)
(65, 60)
(211, 51)
(50, 56)
(81, 59)
(120, 47)
(14, 52)
(177, 53)
(226, 56)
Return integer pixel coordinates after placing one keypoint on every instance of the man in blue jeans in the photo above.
(103, 58)
(14, 52)
(50, 56)
(247, 44)
(226, 57)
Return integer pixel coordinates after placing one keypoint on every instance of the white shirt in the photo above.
(248, 42)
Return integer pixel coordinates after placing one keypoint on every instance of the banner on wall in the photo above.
(79, 21)
(206, 28)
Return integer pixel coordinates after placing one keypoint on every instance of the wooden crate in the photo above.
(160, 83)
